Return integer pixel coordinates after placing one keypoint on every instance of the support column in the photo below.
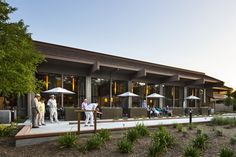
(173, 95)
(161, 93)
(204, 96)
(111, 92)
(130, 90)
(185, 95)
(29, 104)
(62, 95)
(88, 85)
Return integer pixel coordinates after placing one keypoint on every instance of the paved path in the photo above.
(64, 126)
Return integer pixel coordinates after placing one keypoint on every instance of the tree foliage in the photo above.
(18, 57)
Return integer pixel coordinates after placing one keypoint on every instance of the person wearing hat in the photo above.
(35, 111)
(52, 108)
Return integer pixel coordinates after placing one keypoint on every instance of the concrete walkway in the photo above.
(65, 126)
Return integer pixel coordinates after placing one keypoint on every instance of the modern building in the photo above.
(101, 77)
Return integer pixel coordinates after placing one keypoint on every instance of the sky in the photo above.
(198, 35)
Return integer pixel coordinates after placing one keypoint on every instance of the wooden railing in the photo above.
(94, 118)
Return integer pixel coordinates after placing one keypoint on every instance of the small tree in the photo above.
(18, 57)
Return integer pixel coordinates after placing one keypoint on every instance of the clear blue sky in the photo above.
(192, 34)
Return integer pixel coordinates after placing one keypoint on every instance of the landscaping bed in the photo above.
(219, 136)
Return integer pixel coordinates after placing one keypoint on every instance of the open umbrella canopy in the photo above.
(128, 94)
(192, 97)
(155, 95)
(58, 90)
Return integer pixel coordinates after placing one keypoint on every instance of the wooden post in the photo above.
(78, 123)
(95, 121)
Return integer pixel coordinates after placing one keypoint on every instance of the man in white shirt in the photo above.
(52, 108)
(89, 113)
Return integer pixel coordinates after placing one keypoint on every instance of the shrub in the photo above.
(190, 126)
(163, 137)
(179, 127)
(200, 141)
(233, 139)
(161, 140)
(68, 140)
(184, 131)
(199, 131)
(219, 132)
(125, 146)
(224, 121)
(155, 149)
(8, 130)
(226, 152)
(132, 135)
(191, 152)
(142, 130)
(94, 142)
(104, 134)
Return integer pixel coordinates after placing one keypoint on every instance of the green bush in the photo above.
(184, 131)
(191, 152)
(224, 121)
(163, 137)
(190, 126)
(155, 149)
(142, 130)
(132, 135)
(200, 141)
(219, 132)
(233, 139)
(161, 140)
(179, 127)
(6, 131)
(94, 142)
(199, 131)
(104, 134)
(125, 146)
(68, 140)
(226, 152)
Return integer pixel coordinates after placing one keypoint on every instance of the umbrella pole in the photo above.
(62, 99)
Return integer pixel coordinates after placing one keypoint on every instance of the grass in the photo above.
(125, 146)
(132, 135)
(224, 121)
(68, 140)
(142, 130)
(94, 142)
(191, 152)
(226, 152)
(161, 140)
(233, 139)
(200, 141)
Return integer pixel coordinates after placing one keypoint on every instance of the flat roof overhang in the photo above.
(61, 59)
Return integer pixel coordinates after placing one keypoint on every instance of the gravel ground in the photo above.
(49, 149)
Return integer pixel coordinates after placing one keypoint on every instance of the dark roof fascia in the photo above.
(121, 58)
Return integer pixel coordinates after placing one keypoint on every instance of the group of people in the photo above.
(38, 110)
(154, 110)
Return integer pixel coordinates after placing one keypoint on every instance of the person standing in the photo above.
(52, 108)
(83, 106)
(35, 111)
(41, 112)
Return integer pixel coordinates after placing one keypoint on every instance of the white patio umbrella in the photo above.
(192, 97)
(58, 90)
(128, 94)
(155, 95)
